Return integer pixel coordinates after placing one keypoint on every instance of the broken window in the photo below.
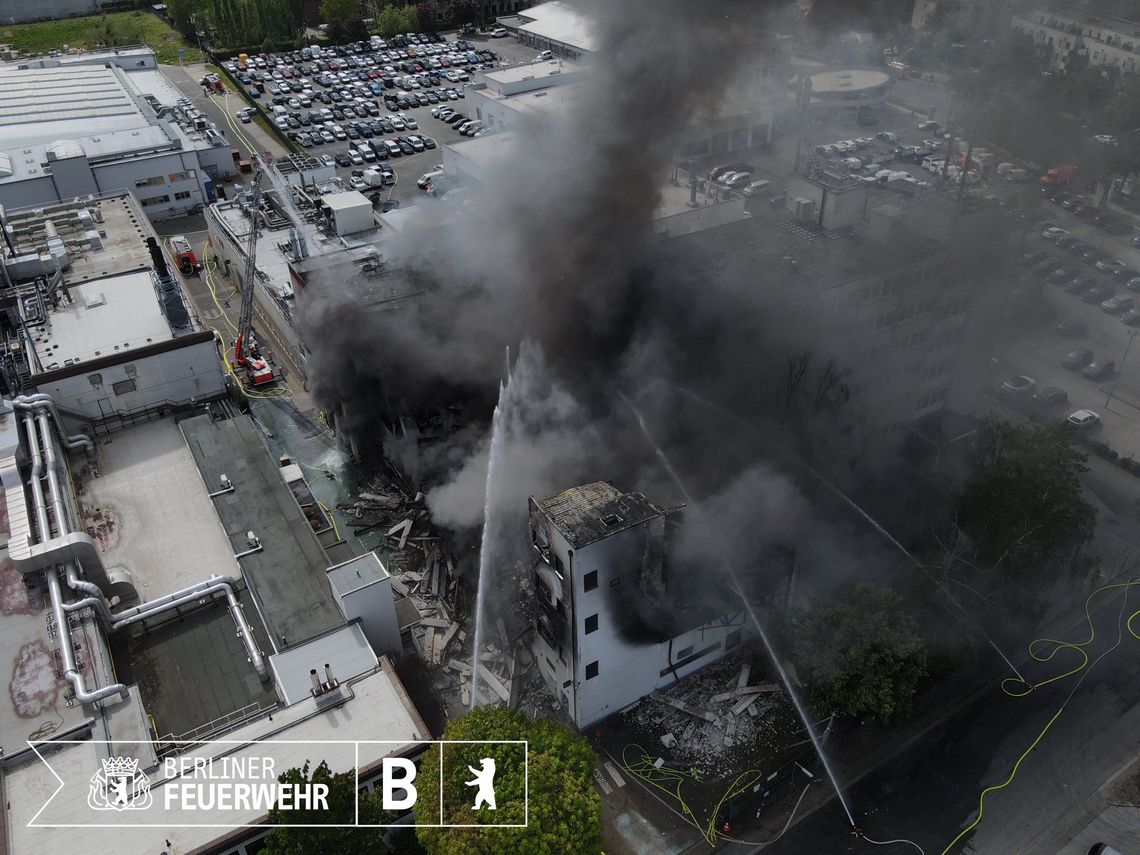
(591, 670)
(590, 580)
(123, 387)
(591, 624)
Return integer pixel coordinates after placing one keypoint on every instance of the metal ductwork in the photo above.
(38, 410)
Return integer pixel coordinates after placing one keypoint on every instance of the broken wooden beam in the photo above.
(742, 680)
(683, 707)
(492, 682)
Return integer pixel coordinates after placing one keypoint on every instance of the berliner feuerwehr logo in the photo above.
(120, 785)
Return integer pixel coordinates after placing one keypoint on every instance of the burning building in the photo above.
(608, 629)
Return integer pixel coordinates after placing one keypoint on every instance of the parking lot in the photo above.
(1074, 312)
(368, 105)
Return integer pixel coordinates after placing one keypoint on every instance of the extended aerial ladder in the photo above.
(246, 352)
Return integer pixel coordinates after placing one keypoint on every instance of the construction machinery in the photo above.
(247, 355)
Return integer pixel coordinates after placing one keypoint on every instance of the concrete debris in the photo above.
(714, 716)
(742, 680)
(669, 740)
(676, 703)
(492, 682)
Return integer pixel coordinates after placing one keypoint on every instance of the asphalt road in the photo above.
(929, 793)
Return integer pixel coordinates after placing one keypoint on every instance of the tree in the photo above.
(862, 655)
(341, 837)
(426, 18)
(565, 809)
(339, 10)
(1022, 504)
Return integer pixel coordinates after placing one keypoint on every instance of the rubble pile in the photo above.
(713, 718)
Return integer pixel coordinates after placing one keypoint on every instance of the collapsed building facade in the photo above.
(614, 619)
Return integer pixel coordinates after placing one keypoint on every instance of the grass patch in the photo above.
(117, 29)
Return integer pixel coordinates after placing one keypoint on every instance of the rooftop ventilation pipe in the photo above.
(36, 409)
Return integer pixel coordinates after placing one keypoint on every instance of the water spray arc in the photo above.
(847, 500)
(801, 711)
(493, 453)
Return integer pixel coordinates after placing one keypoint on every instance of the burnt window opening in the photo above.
(685, 652)
(592, 670)
(591, 624)
(590, 580)
(611, 520)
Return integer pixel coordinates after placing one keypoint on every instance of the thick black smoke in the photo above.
(555, 252)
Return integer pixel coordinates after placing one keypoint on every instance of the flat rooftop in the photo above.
(287, 577)
(116, 314)
(847, 80)
(124, 247)
(40, 105)
(378, 709)
(590, 512)
(553, 68)
(150, 513)
(560, 22)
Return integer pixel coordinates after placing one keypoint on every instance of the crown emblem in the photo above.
(119, 785)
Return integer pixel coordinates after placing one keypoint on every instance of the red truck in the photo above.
(1059, 175)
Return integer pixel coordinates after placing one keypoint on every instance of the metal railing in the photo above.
(171, 744)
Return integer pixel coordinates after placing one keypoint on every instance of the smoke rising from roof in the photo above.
(555, 252)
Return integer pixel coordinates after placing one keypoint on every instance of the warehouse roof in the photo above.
(41, 105)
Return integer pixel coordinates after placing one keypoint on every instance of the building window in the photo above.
(150, 182)
(96, 380)
(188, 175)
(591, 624)
(123, 387)
(592, 670)
(182, 194)
(590, 580)
(154, 200)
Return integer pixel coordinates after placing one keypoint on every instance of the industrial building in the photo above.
(910, 288)
(19, 11)
(845, 95)
(165, 579)
(309, 224)
(562, 28)
(614, 621)
(1072, 40)
(98, 123)
(95, 316)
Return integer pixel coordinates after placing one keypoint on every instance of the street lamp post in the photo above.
(1120, 370)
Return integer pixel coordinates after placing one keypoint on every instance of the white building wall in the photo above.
(626, 671)
(178, 375)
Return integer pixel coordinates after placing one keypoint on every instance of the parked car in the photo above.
(1131, 317)
(1076, 360)
(1111, 265)
(424, 180)
(1099, 370)
(1050, 396)
(1117, 304)
(1071, 327)
(1059, 276)
(1019, 385)
(499, 33)
(1080, 284)
(1054, 233)
(1098, 294)
(1083, 419)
